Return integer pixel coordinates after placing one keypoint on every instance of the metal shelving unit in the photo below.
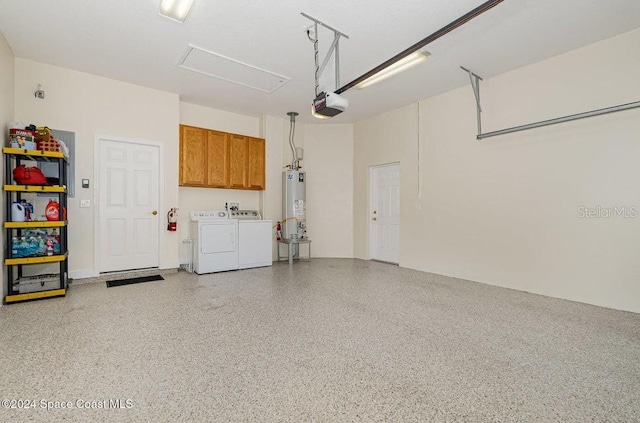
(13, 192)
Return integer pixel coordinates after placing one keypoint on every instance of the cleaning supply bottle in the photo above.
(49, 246)
(52, 211)
(56, 241)
(27, 210)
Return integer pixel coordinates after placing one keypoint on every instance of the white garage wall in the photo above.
(220, 120)
(90, 105)
(329, 166)
(388, 138)
(505, 211)
(7, 81)
(271, 128)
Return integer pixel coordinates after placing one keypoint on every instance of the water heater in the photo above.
(294, 225)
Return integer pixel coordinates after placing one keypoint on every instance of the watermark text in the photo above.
(77, 404)
(599, 212)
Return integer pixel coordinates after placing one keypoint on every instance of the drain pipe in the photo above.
(295, 161)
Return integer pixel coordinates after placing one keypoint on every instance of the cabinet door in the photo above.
(217, 159)
(193, 161)
(237, 161)
(256, 163)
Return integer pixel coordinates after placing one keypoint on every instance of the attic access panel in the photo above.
(217, 66)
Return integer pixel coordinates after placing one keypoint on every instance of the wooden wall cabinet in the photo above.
(216, 159)
(193, 163)
(217, 162)
(255, 163)
(238, 156)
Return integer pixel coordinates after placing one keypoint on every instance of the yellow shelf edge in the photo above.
(35, 295)
(35, 260)
(35, 188)
(36, 224)
(37, 153)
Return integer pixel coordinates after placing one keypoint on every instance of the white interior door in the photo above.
(128, 205)
(384, 214)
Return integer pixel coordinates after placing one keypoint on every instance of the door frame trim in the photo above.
(96, 193)
(369, 205)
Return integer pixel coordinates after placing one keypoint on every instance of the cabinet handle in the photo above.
(154, 212)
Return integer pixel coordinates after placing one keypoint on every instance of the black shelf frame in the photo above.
(13, 159)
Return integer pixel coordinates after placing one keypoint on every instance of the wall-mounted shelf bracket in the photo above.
(475, 85)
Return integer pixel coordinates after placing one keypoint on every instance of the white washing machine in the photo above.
(215, 242)
(255, 239)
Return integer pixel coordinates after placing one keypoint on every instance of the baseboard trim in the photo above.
(171, 265)
(82, 274)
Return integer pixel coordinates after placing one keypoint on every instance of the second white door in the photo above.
(128, 205)
(385, 213)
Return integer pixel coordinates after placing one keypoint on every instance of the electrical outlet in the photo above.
(85, 203)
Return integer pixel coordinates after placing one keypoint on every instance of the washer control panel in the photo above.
(245, 215)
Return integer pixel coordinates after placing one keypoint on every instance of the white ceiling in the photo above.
(129, 41)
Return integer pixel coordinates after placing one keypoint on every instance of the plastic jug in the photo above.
(28, 210)
(18, 212)
(52, 211)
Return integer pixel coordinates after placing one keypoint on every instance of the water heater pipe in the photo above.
(295, 162)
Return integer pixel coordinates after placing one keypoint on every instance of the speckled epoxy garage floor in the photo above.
(326, 340)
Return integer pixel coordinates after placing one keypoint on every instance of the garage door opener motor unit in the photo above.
(329, 104)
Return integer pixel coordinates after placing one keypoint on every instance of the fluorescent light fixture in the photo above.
(175, 9)
(394, 68)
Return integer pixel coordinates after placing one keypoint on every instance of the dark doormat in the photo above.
(129, 281)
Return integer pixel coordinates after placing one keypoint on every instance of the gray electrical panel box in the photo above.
(50, 170)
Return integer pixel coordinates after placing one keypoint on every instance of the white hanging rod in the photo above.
(475, 86)
(563, 119)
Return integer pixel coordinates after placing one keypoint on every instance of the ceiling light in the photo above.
(394, 68)
(175, 9)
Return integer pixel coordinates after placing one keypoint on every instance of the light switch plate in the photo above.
(85, 203)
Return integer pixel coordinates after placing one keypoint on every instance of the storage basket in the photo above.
(29, 284)
(45, 141)
(51, 145)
